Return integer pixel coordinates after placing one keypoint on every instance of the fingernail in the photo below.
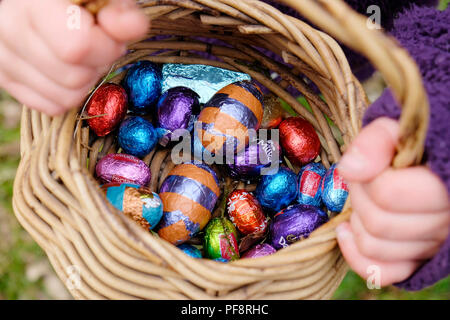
(352, 161)
(342, 231)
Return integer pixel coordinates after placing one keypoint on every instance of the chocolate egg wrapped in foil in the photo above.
(189, 194)
(273, 112)
(310, 184)
(143, 83)
(334, 190)
(177, 109)
(123, 168)
(138, 137)
(221, 260)
(203, 79)
(295, 223)
(260, 250)
(249, 163)
(246, 213)
(228, 116)
(106, 108)
(190, 250)
(277, 190)
(221, 240)
(299, 140)
(137, 202)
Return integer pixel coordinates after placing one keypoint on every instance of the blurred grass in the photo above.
(18, 250)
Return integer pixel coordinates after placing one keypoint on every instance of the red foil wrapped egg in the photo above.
(299, 140)
(246, 213)
(106, 108)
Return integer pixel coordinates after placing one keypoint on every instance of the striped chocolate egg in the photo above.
(228, 115)
(189, 194)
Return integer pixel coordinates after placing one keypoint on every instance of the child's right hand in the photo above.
(50, 66)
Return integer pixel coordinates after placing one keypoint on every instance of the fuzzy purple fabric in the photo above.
(389, 10)
(425, 34)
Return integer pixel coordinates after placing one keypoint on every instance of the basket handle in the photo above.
(397, 67)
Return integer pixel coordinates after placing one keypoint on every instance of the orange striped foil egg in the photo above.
(228, 115)
(189, 194)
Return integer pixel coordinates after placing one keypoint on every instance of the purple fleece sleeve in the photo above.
(424, 33)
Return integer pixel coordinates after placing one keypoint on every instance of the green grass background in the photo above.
(18, 250)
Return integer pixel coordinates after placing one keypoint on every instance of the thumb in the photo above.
(123, 20)
(371, 152)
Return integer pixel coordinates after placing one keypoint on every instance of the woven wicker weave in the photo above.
(59, 203)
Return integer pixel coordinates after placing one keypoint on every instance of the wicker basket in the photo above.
(59, 203)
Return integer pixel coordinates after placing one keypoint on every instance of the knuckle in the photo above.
(75, 50)
(365, 245)
(373, 224)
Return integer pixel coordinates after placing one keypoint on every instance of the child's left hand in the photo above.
(400, 217)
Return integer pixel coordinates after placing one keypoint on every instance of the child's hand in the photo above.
(48, 64)
(400, 217)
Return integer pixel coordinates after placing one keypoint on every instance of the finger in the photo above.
(393, 226)
(123, 20)
(404, 190)
(32, 99)
(371, 152)
(389, 272)
(72, 35)
(388, 250)
(22, 72)
(43, 59)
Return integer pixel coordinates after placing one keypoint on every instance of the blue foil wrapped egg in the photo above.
(143, 84)
(278, 190)
(190, 250)
(310, 183)
(139, 203)
(137, 136)
(295, 223)
(334, 190)
(177, 108)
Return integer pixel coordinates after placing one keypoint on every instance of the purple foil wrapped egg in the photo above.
(295, 223)
(250, 162)
(177, 109)
(260, 250)
(123, 168)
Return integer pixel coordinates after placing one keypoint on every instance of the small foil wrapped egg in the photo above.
(228, 116)
(137, 136)
(246, 213)
(248, 163)
(122, 168)
(334, 190)
(143, 83)
(295, 223)
(189, 194)
(273, 112)
(139, 203)
(310, 184)
(221, 240)
(190, 250)
(106, 108)
(177, 108)
(277, 190)
(299, 140)
(260, 250)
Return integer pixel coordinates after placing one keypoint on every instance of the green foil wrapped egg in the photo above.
(221, 240)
